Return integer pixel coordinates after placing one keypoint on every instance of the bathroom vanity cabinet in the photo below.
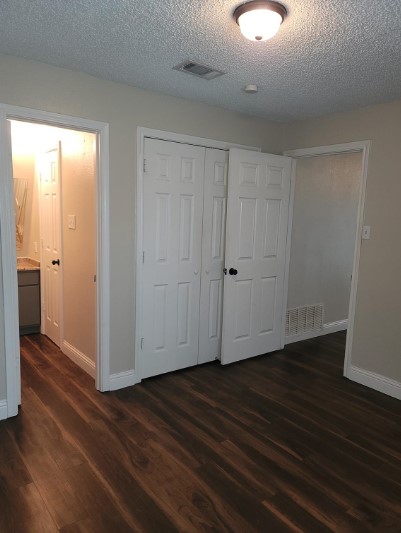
(29, 301)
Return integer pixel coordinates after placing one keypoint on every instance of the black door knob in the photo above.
(56, 262)
(233, 271)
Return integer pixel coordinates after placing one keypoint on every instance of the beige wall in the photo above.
(78, 152)
(39, 86)
(323, 233)
(377, 344)
(377, 341)
(24, 168)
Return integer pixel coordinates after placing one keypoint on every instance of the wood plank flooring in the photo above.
(276, 443)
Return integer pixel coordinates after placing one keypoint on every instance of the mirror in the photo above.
(20, 192)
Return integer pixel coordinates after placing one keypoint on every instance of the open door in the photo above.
(50, 201)
(255, 259)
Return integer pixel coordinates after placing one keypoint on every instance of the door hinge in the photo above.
(142, 342)
(144, 165)
(94, 278)
(143, 257)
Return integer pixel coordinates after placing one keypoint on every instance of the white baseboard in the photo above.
(331, 327)
(123, 379)
(79, 358)
(3, 409)
(375, 381)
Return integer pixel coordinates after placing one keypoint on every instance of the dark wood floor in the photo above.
(277, 443)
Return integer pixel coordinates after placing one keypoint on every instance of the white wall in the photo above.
(323, 233)
(39, 86)
(377, 341)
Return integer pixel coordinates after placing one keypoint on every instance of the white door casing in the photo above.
(51, 251)
(364, 147)
(257, 220)
(173, 205)
(9, 270)
(213, 250)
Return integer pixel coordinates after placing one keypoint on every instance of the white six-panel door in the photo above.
(257, 222)
(173, 206)
(49, 174)
(213, 250)
(189, 307)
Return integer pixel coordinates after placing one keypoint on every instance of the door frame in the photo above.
(351, 147)
(8, 246)
(142, 134)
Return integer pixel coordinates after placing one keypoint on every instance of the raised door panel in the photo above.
(186, 227)
(271, 228)
(242, 310)
(159, 319)
(162, 207)
(184, 312)
(246, 228)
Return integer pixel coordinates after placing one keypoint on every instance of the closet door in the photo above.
(213, 249)
(257, 222)
(173, 205)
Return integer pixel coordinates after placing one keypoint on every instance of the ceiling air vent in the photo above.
(201, 71)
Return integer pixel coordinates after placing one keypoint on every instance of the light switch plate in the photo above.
(366, 233)
(72, 223)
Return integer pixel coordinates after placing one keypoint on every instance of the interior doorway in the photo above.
(54, 175)
(8, 246)
(329, 190)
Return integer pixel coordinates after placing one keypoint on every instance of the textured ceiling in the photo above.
(329, 55)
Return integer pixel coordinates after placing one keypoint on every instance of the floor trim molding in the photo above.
(79, 358)
(124, 379)
(375, 381)
(3, 410)
(331, 327)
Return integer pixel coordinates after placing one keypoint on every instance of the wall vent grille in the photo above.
(304, 319)
(196, 69)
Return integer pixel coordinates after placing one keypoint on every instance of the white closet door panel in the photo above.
(173, 205)
(257, 221)
(213, 250)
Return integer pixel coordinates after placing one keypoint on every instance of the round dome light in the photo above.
(260, 20)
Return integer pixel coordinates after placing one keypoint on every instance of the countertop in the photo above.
(26, 263)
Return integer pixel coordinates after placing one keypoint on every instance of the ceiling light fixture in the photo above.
(260, 20)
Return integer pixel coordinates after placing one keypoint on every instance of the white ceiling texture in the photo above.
(329, 55)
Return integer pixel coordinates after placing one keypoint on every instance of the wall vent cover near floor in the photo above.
(196, 69)
(304, 319)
